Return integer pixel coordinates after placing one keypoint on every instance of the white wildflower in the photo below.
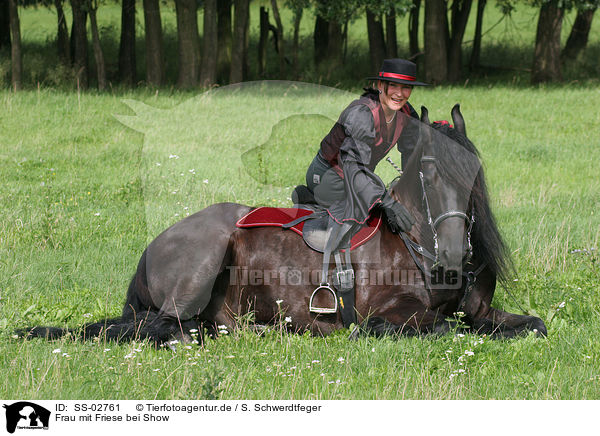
(288, 319)
(56, 351)
(341, 359)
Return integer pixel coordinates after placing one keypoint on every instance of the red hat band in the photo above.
(383, 75)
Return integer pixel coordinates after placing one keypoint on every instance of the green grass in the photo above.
(82, 194)
(89, 179)
(507, 48)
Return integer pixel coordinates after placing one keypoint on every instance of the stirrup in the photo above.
(314, 309)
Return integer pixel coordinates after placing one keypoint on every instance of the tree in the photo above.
(297, 7)
(79, 43)
(225, 39)
(92, 7)
(188, 43)
(127, 57)
(62, 34)
(546, 60)
(16, 55)
(280, 41)
(329, 37)
(263, 40)
(459, 18)
(210, 45)
(378, 12)
(4, 25)
(155, 68)
(443, 39)
(474, 60)
(436, 42)
(377, 48)
(578, 37)
(413, 29)
(239, 55)
(391, 37)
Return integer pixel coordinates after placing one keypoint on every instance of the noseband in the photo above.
(434, 223)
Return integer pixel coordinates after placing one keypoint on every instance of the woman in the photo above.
(341, 176)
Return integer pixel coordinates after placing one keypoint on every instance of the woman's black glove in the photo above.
(398, 218)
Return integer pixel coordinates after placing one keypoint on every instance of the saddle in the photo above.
(308, 221)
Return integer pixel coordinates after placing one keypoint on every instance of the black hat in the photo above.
(398, 71)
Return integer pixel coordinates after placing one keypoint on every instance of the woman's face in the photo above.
(396, 96)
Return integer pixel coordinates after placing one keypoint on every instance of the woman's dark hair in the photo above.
(372, 93)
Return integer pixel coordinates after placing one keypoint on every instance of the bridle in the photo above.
(414, 247)
(434, 223)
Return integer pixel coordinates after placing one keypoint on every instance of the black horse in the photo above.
(204, 271)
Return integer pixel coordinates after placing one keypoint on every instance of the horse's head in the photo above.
(442, 170)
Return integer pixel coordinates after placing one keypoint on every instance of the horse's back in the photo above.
(183, 262)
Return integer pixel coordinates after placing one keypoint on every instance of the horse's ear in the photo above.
(459, 121)
(425, 115)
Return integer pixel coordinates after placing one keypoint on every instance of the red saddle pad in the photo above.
(278, 216)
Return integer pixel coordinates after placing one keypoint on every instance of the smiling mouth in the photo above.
(398, 100)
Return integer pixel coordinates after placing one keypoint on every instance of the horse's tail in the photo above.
(146, 325)
(139, 320)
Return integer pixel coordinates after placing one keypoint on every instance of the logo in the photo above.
(25, 415)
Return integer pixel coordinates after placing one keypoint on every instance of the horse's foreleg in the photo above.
(484, 319)
(498, 323)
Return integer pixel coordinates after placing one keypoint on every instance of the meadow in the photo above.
(88, 179)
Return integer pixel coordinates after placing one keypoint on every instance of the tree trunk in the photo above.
(320, 39)
(460, 16)
(263, 41)
(280, 41)
(296, 43)
(413, 29)
(62, 34)
(224, 38)
(391, 38)
(475, 60)
(4, 24)
(16, 55)
(210, 45)
(376, 42)
(98, 55)
(546, 61)
(238, 53)
(578, 37)
(335, 47)
(127, 58)
(79, 43)
(436, 53)
(155, 67)
(188, 44)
